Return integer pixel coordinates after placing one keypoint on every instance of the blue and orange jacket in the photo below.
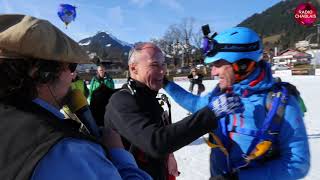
(293, 160)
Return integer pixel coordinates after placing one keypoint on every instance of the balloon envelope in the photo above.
(67, 13)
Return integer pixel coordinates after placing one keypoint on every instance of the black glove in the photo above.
(230, 176)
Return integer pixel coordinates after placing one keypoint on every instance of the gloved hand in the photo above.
(225, 104)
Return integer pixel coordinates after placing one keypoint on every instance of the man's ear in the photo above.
(133, 68)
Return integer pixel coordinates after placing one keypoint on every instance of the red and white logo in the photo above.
(305, 14)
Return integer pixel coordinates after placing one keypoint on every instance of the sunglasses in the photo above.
(72, 67)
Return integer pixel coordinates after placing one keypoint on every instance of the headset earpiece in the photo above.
(46, 71)
(45, 77)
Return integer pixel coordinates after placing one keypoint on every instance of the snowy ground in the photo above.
(193, 160)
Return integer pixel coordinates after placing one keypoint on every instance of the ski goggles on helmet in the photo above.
(211, 47)
(217, 47)
(232, 45)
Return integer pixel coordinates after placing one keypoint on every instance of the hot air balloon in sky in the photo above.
(67, 13)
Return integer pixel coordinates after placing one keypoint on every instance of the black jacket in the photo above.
(99, 99)
(137, 115)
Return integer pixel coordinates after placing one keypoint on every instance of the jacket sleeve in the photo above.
(294, 159)
(109, 82)
(112, 83)
(124, 114)
(86, 90)
(91, 88)
(186, 99)
(82, 160)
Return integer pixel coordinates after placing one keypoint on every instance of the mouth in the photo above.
(222, 80)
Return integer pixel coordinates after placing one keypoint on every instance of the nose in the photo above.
(163, 69)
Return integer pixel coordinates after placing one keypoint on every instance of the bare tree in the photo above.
(181, 42)
(197, 38)
(186, 29)
(170, 43)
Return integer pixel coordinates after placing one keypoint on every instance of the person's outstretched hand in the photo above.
(225, 104)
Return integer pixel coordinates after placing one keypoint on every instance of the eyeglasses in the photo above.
(72, 67)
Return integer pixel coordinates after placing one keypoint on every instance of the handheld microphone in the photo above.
(77, 103)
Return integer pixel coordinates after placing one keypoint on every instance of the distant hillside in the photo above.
(106, 46)
(277, 25)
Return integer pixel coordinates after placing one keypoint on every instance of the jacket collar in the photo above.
(98, 78)
(49, 108)
(141, 87)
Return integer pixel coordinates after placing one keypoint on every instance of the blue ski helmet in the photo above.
(235, 44)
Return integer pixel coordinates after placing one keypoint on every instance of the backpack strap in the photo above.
(276, 101)
(275, 104)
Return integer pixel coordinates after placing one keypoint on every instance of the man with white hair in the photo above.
(134, 111)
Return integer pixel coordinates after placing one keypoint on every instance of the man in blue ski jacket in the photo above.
(266, 141)
(37, 65)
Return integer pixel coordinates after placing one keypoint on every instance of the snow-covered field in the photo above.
(193, 160)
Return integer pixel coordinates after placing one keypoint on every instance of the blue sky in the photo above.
(138, 20)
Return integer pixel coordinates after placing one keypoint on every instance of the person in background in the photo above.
(99, 99)
(37, 65)
(195, 78)
(101, 79)
(135, 112)
(268, 141)
(78, 83)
